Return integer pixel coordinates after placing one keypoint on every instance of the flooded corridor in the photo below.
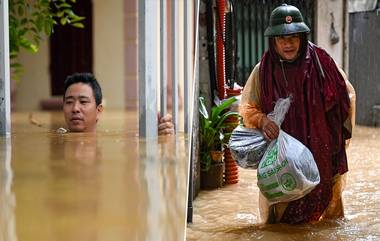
(231, 213)
(107, 186)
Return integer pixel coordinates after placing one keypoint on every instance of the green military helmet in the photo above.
(285, 20)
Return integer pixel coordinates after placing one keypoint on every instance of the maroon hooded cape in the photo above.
(319, 107)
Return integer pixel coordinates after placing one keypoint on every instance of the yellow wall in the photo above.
(34, 84)
(108, 50)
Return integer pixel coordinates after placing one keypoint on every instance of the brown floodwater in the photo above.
(232, 212)
(111, 185)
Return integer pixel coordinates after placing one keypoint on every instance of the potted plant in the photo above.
(213, 129)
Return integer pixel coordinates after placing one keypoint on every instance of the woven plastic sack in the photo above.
(247, 146)
(287, 170)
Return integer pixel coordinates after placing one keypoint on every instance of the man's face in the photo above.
(287, 46)
(79, 108)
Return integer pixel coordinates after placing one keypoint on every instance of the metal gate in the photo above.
(251, 19)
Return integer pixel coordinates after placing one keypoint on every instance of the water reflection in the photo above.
(7, 198)
(107, 186)
(162, 210)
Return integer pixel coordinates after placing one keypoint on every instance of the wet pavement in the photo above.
(111, 185)
(231, 213)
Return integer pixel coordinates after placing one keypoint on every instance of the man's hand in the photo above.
(165, 125)
(269, 128)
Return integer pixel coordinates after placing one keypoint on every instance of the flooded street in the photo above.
(231, 213)
(111, 185)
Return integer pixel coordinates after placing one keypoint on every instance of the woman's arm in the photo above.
(250, 108)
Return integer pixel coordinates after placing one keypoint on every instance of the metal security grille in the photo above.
(251, 19)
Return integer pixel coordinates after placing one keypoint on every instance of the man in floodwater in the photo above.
(82, 105)
(320, 116)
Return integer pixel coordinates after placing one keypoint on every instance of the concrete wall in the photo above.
(324, 8)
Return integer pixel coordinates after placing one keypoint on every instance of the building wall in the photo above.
(34, 84)
(109, 61)
(131, 53)
(364, 64)
(109, 50)
(323, 24)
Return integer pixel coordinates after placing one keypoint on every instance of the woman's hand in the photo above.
(269, 128)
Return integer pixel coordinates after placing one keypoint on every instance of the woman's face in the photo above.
(287, 46)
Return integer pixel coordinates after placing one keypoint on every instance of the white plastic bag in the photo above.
(248, 145)
(287, 170)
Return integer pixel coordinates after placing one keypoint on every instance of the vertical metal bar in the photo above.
(188, 35)
(5, 97)
(244, 48)
(250, 35)
(267, 12)
(148, 67)
(344, 35)
(253, 34)
(163, 58)
(262, 27)
(195, 90)
(175, 65)
(258, 53)
(238, 75)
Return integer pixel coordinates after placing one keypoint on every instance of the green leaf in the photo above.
(78, 25)
(202, 108)
(24, 21)
(13, 54)
(64, 5)
(77, 18)
(39, 23)
(33, 48)
(29, 20)
(22, 32)
(26, 44)
(37, 39)
(34, 30)
(60, 14)
(63, 21)
(20, 10)
(48, 28)
(15, 65)
(69, 12)
(216, 110)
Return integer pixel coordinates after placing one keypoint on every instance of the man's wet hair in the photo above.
(85, 78)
